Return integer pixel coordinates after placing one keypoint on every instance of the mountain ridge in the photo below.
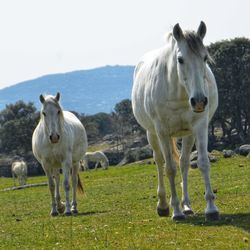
(84, 91)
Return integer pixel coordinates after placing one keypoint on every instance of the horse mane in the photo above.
(194, 43)
(49, 99)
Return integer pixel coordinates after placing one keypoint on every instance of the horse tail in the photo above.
(175, 151)
(79, 185)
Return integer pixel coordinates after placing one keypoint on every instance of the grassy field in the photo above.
(118, 211)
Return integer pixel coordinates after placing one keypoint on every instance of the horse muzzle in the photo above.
(198, 105)
(54, 138)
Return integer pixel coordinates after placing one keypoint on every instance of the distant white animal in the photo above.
(19, 171)
(59, 141)
(175, 95)
(98, 157)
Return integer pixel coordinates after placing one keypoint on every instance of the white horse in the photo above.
(19, 171)
(175, 95)
(59, 141)
(98, 157)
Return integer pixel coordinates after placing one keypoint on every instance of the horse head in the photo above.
(52, 115)
(191, 58)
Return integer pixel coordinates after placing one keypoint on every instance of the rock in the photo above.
(228, 153)
(244, 149)
(137, 154)
(193, 164)
(212, 158)
(194, 155)
(114, 156)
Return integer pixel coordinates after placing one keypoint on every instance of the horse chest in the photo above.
(180, 123)
(55, 155)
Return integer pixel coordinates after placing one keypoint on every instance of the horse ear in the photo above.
(42, 100)
(177, 32)
(57, 97)
(201, 32)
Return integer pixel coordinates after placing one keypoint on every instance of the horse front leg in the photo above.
(167, 151)
(66, 174)
(51, 184)
(74, 187)
(60, 205)
(187, 144)
(211, 212)
(162, 206)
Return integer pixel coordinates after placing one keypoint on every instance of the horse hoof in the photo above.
(213, 216)
(188, 212)
(179, 217)
(74, 211)
(163, 212)
(61, 209)
(54, 214)
(68, 214)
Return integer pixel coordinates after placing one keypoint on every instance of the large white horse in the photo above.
(97, 157)
(175, 95)
(19, 171)
(59, 141)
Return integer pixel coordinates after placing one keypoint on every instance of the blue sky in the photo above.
(53, 36)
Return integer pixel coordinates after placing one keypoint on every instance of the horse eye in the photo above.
(205, 58)
(180, 60)
(44, 114)
(58, 112)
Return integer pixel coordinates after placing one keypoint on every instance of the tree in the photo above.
(125, 117)
(17, 123)
(97, 125)
(231, 70)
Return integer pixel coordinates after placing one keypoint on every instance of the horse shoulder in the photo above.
(38, 141)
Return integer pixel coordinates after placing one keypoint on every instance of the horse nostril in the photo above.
(50, 137)
(205, 101)
(192, 101)
(58, 136)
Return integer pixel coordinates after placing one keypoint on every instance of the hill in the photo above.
(84, 91)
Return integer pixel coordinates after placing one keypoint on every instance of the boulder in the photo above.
(194, 156)
(137, 154)
(114, 156)
(193, 164)
(228, 153)
(244, 149)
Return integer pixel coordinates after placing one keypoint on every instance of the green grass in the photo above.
(118, 211)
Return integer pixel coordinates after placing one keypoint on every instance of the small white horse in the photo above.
(98, 157)
(19, 171)
(59, 141)
(175, 95)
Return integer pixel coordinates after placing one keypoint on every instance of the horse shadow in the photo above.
(89, 213)
(240, 220)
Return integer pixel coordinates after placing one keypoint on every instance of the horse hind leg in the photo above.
(187, 144)
(74, 188)
(66, 173)
(162, 206)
